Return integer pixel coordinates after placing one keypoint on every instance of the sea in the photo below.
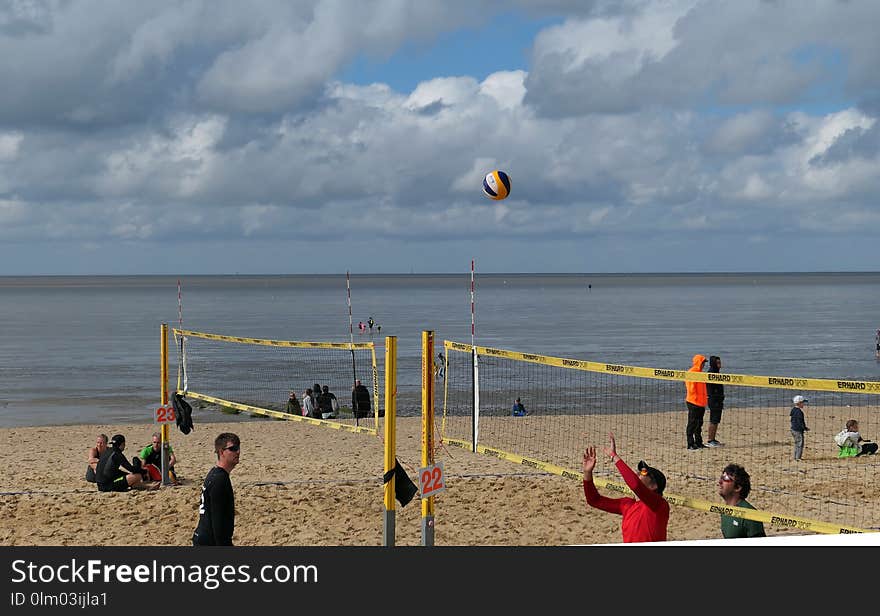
(86, 349)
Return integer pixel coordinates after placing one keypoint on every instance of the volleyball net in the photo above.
(235, 374)
(571, 404)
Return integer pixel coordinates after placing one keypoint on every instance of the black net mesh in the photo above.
(262, 373)
(569, 408)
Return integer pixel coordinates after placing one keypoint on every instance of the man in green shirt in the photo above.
(734, 486)
(152, 454)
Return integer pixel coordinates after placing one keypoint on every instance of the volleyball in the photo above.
(496, 185)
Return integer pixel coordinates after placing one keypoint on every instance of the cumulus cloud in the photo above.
(680, 53)
(637, 122)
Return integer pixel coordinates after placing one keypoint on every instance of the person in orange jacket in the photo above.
(696, 401)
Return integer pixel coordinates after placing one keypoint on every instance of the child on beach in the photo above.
(798, 425)
(850, 442)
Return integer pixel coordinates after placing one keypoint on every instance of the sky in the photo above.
(324, 136)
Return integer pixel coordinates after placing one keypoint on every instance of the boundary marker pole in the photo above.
(389, 514)
(427, 430)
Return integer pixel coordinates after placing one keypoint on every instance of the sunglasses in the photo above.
(725, 477)
(232, 448)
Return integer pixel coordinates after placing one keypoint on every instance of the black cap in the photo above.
(117, 440)
(655, 474)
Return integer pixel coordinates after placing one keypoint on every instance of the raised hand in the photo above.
(589, 460)
(611, 450)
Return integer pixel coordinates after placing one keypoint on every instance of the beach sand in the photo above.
(302, 485)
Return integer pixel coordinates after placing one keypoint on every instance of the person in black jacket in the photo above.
(111, 478)
(715, 393)
(327, 403)
(360, 400)
(217, 503)
(798, 425)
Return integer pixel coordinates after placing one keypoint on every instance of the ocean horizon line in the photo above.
(446, 274)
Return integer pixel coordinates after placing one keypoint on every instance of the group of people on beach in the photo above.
(645, 517)
(111, 471)
(318, 402)
(700, 395)
(368, 326)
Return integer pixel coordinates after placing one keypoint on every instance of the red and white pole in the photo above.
(348, 290)
(472, 302)
(351, 346)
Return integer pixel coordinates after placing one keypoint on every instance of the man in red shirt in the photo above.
(645, 517)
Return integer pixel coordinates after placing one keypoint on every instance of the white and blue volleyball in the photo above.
(496, 185)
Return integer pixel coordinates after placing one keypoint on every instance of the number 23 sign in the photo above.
(164, 414)
(431, 480)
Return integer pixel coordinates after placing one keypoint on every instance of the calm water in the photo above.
(86, 349)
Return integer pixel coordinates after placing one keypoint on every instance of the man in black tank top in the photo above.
(217, 504)
(109, 473)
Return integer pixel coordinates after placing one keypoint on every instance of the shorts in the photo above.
(715, 414)
(120, 484)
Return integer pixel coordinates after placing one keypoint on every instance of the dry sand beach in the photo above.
(299, 485)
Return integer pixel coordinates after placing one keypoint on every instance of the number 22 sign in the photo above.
(431, 480)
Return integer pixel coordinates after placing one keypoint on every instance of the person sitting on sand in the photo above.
(152, 455)
(94, 455)
(850, 442)
(518, 409)
(109, 476)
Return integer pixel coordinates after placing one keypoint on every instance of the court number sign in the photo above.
(431, 480)
(164, 414)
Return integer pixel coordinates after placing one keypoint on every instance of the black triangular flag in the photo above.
(404, 488)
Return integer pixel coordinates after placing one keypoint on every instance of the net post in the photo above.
(164, 432)
(357, 420)
(427, 430)
(475, 373)
(388, 521)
